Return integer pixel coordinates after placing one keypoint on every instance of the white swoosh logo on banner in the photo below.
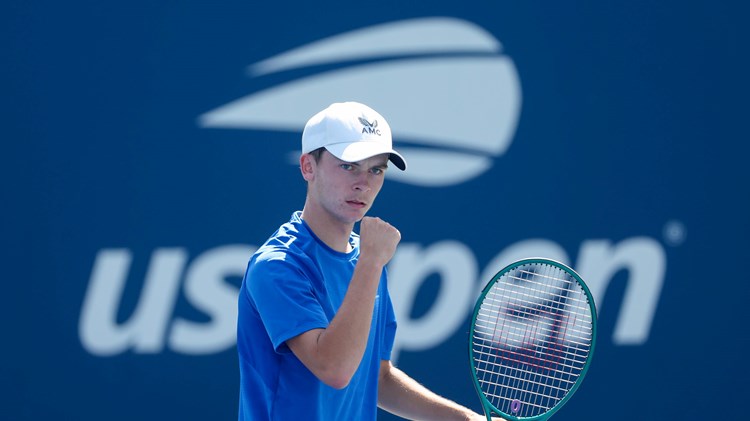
(452, 99)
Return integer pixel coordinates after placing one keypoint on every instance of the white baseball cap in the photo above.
(351, 132)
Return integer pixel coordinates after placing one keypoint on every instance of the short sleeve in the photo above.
(284, 297)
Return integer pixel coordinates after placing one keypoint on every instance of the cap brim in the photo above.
(357, 151)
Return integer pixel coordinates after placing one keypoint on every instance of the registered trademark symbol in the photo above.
(674, 233)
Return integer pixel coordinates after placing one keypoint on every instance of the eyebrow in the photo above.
(384, 165)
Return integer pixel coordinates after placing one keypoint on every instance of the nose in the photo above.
(362, 183)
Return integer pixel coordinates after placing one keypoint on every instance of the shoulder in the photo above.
(287, 250)
(288, 242)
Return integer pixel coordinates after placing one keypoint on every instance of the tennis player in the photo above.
(316, 325)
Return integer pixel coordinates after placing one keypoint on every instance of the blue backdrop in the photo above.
(147, 149)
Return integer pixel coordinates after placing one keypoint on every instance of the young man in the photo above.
(316, 324)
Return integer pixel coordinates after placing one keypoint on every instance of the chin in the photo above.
(356, 218)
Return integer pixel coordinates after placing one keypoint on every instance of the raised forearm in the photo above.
(340, 347)
(333, 354)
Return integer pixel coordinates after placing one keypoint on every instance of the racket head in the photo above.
(532, 338)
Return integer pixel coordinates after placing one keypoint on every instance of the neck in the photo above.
(334, 233)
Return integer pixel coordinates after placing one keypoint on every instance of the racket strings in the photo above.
(564, 384)
(562, 363)
(547, 318)
(532, 337)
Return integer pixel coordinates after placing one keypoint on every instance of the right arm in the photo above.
(333, 354)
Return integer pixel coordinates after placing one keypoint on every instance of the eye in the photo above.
(378, 171)
(347, 167)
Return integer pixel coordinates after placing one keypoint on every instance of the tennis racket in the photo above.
(532, 338)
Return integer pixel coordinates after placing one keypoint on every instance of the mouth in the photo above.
(356, 203)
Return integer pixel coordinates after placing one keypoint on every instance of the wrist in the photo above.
(367, 265)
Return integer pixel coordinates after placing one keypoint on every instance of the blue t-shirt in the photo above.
(294, 283)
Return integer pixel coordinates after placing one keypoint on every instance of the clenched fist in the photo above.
(377, 240)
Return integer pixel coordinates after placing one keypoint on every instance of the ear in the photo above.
(307, 166)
